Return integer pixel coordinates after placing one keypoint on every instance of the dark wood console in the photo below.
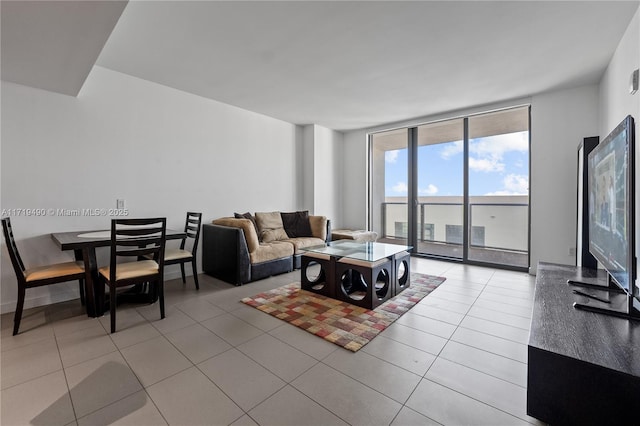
(583, 367)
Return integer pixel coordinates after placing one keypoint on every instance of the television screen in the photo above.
(611, 204)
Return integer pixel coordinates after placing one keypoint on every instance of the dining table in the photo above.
(84, 244)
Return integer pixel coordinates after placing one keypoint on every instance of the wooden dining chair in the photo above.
(37, 276)
(181, 256)
(135, 238)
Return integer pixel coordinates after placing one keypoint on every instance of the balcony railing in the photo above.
(497, 230)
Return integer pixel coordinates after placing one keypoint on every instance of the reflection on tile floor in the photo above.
(458, 357)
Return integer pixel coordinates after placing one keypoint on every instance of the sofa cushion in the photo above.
(296, 224)
(250, 234)
(270, 227)
(318, 227)
(271, 251)
(304, 242)
(249, 216)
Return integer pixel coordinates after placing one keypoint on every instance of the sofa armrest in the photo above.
(225, 254)
(320, 227)
(250, 233)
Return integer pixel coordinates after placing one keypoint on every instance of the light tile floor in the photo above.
(458, 357)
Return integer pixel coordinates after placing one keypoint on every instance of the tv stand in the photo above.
(583, 367)
(617, 300)
(600, 285)
(594, 278)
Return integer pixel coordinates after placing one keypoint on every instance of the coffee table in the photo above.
(362, 273)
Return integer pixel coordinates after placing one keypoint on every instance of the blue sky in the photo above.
(498, 165)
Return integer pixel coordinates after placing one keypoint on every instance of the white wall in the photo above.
(323, 172)
(308, 138)
(328, 170)
(615, 99)
(354, 185)
(164, 151)
(559, 122)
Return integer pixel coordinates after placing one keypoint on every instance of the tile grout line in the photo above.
(448, 340)
(425, 373)
(316, 361)
(454, 390)
(66, 380)
(197, 365)
(125, 360)
(477, 400)
(488, 351)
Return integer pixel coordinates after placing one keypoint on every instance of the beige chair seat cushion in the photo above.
(175, 254)
(304, 242)
(271, 251)
(53, 271)
(129, 270)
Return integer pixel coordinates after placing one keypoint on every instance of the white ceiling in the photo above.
(348, 65)
(53, 45)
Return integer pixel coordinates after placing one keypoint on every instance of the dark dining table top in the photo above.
(77, 240)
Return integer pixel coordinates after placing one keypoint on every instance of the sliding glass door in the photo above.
(499, 187)
(440, 189)
(456, 189)
(390, 186)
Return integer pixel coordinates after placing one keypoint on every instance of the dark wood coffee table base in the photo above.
(364, 284)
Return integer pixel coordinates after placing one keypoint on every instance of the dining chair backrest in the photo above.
(137, 238)
(192, 230)
(16, 260)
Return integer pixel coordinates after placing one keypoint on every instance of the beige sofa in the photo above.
(240, 250)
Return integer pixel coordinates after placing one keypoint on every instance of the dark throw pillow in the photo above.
(296, 224)
(249, 216)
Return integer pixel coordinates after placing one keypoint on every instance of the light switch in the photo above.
(633, 82)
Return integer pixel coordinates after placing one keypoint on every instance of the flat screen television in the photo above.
(611, 171)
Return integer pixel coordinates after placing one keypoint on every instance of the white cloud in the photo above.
(485, 165)
(518, 184)
(401, 188)
(391, 156)
(431, 189)
(451, 149)
(496, 146)
(513, 185)
(488, 152)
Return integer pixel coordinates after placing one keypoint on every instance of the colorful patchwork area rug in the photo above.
(339, 322)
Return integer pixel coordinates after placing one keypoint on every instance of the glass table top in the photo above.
(370, 252)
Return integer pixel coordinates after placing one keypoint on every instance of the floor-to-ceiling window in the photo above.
(440, 174)
(499, 187)
(389, 175)
(456, 188)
